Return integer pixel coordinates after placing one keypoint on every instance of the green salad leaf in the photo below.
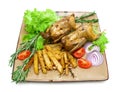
(38, 21)
(101, 42)
(39, 43)
(27, 37)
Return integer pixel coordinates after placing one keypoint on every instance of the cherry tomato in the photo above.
(79, 53)
(83, 63)
(23, 55)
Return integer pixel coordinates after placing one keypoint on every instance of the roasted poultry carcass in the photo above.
(78, 38)
(70, 34)
(61, 28)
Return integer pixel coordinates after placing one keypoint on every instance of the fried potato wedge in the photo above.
(55, 52)
(57, 46)
(65, 57)
(72, 60)
(36, 64)
(62, 62)
(66, 61)
(41, 61)
(47, 60)
(66, 69)
(56, 62)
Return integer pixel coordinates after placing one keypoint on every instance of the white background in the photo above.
(11, 14)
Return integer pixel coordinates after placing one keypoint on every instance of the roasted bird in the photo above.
(61, 28)
(70, 34)
(78, 38)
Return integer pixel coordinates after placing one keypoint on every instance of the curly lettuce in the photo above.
(27, 37)
(38, 21)
(101, 42)
(39, 43)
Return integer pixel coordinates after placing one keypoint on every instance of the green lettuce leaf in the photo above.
(27, 37)
(101, 42)
(38, 21)
(39, 43)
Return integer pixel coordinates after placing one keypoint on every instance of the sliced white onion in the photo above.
(95, 57)
(88, 45)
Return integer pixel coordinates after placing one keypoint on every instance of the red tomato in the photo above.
(83, 63)
(23, 55)
(79, 53)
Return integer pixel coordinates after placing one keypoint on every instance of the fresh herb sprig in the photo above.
(19, 75)
(87, 21)
(87, 15)
(14, 56)
(82, 19)
(24, 46)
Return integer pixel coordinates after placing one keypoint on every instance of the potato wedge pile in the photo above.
(52, 57)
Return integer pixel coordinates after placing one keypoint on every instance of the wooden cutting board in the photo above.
(92, 74)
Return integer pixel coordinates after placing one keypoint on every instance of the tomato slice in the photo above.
(23, 55)
(79, 53)
(83, 63)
